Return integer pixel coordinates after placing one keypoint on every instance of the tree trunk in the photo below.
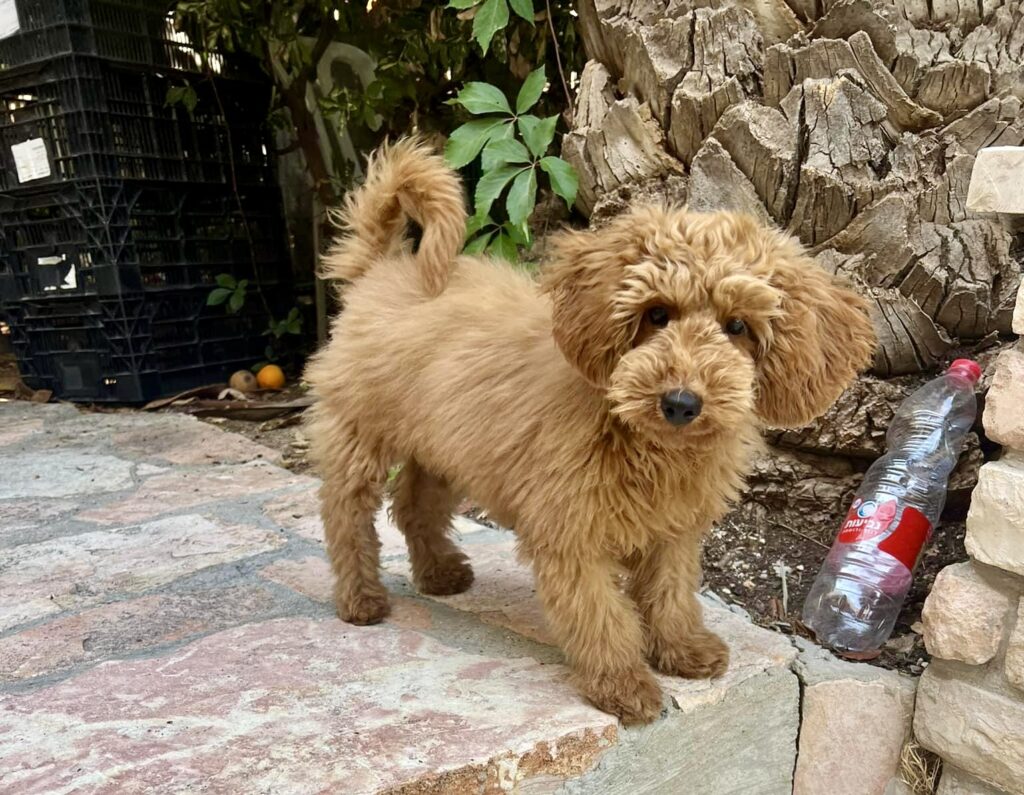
(853, 125)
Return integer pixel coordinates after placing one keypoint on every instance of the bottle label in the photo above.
(869, 519)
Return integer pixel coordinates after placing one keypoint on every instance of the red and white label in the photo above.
(869, 519)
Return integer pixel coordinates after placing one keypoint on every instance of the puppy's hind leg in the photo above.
(354, 473)
(422, 508)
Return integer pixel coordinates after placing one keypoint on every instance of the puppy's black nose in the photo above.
(681, 406)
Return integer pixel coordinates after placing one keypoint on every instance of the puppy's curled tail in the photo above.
(403, 180)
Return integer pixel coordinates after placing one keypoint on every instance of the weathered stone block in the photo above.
(995, 524)
(1018, 314)
(63, 473)
(740, 743)
(187, 488)
(1004, 405)
(898, 786)
(957, 782)
(180, 439)
(842, 701)
(1014, 663)
(996, 182)
(75, 571)
(298, 705)
(119, 629)
(975, 729)
(964, 616)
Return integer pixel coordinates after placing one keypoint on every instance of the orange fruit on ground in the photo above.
(270, 376)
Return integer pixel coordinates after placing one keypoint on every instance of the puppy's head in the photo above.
(695, 323)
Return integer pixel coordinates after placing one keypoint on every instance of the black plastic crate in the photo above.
(133, 348)
(139, 33)
(104, 239)
(83, 118)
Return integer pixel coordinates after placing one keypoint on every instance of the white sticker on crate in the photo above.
(30, 160)
(70, 280)
(9, 22)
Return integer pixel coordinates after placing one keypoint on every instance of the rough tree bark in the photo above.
(852, 124)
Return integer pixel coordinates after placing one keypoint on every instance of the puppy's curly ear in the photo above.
(584, 272)
(821, 339)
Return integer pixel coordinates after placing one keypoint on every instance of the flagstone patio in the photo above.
(166, 626)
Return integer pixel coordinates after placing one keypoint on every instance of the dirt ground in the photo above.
(283, 434)
(746, 567)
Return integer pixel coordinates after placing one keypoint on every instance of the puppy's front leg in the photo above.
(597, 626)
(663, 584)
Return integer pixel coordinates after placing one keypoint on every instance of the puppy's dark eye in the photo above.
(657, 316)
(735, 327)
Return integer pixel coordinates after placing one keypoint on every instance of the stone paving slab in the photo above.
(234, 708)
(50, 576)
(166, 626)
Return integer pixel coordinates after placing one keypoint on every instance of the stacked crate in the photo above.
(118, 210)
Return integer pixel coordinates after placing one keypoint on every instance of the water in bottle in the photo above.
(863, 582)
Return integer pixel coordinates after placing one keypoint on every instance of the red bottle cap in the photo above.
(968, 368)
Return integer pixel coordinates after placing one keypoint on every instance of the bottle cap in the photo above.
(968, 368)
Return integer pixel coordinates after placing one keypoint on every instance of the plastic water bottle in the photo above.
(863, 582)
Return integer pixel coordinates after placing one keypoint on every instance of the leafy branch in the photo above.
(512, 146)
(490, 16)
(231, 294)
(228, 291)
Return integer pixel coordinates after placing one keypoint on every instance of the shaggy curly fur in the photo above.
(543, 403)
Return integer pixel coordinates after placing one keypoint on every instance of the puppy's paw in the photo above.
(700, 655)
(632, 695)
(449, 575)
(362, 608)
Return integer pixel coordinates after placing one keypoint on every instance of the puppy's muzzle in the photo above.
(681, 406)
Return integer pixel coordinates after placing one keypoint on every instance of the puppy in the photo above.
(607, 413)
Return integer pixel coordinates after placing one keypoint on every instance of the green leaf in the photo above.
(242, 285)
(520, 234)
(491, 17)
(465, 142)
(478, 244)
(226, 280)
(564, 180)
(218, 296)
(522, 197)
(504, 247)
(538, 133)
(236, 301)
(462, 4)
(184, 95)
(490, 186)
(505, 131)
(500, 151)
(523, 8)
(189, 99)
(476, 223)
(532, 88)
(480, 98)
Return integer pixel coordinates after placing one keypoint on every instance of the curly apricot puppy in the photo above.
(608, 413)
